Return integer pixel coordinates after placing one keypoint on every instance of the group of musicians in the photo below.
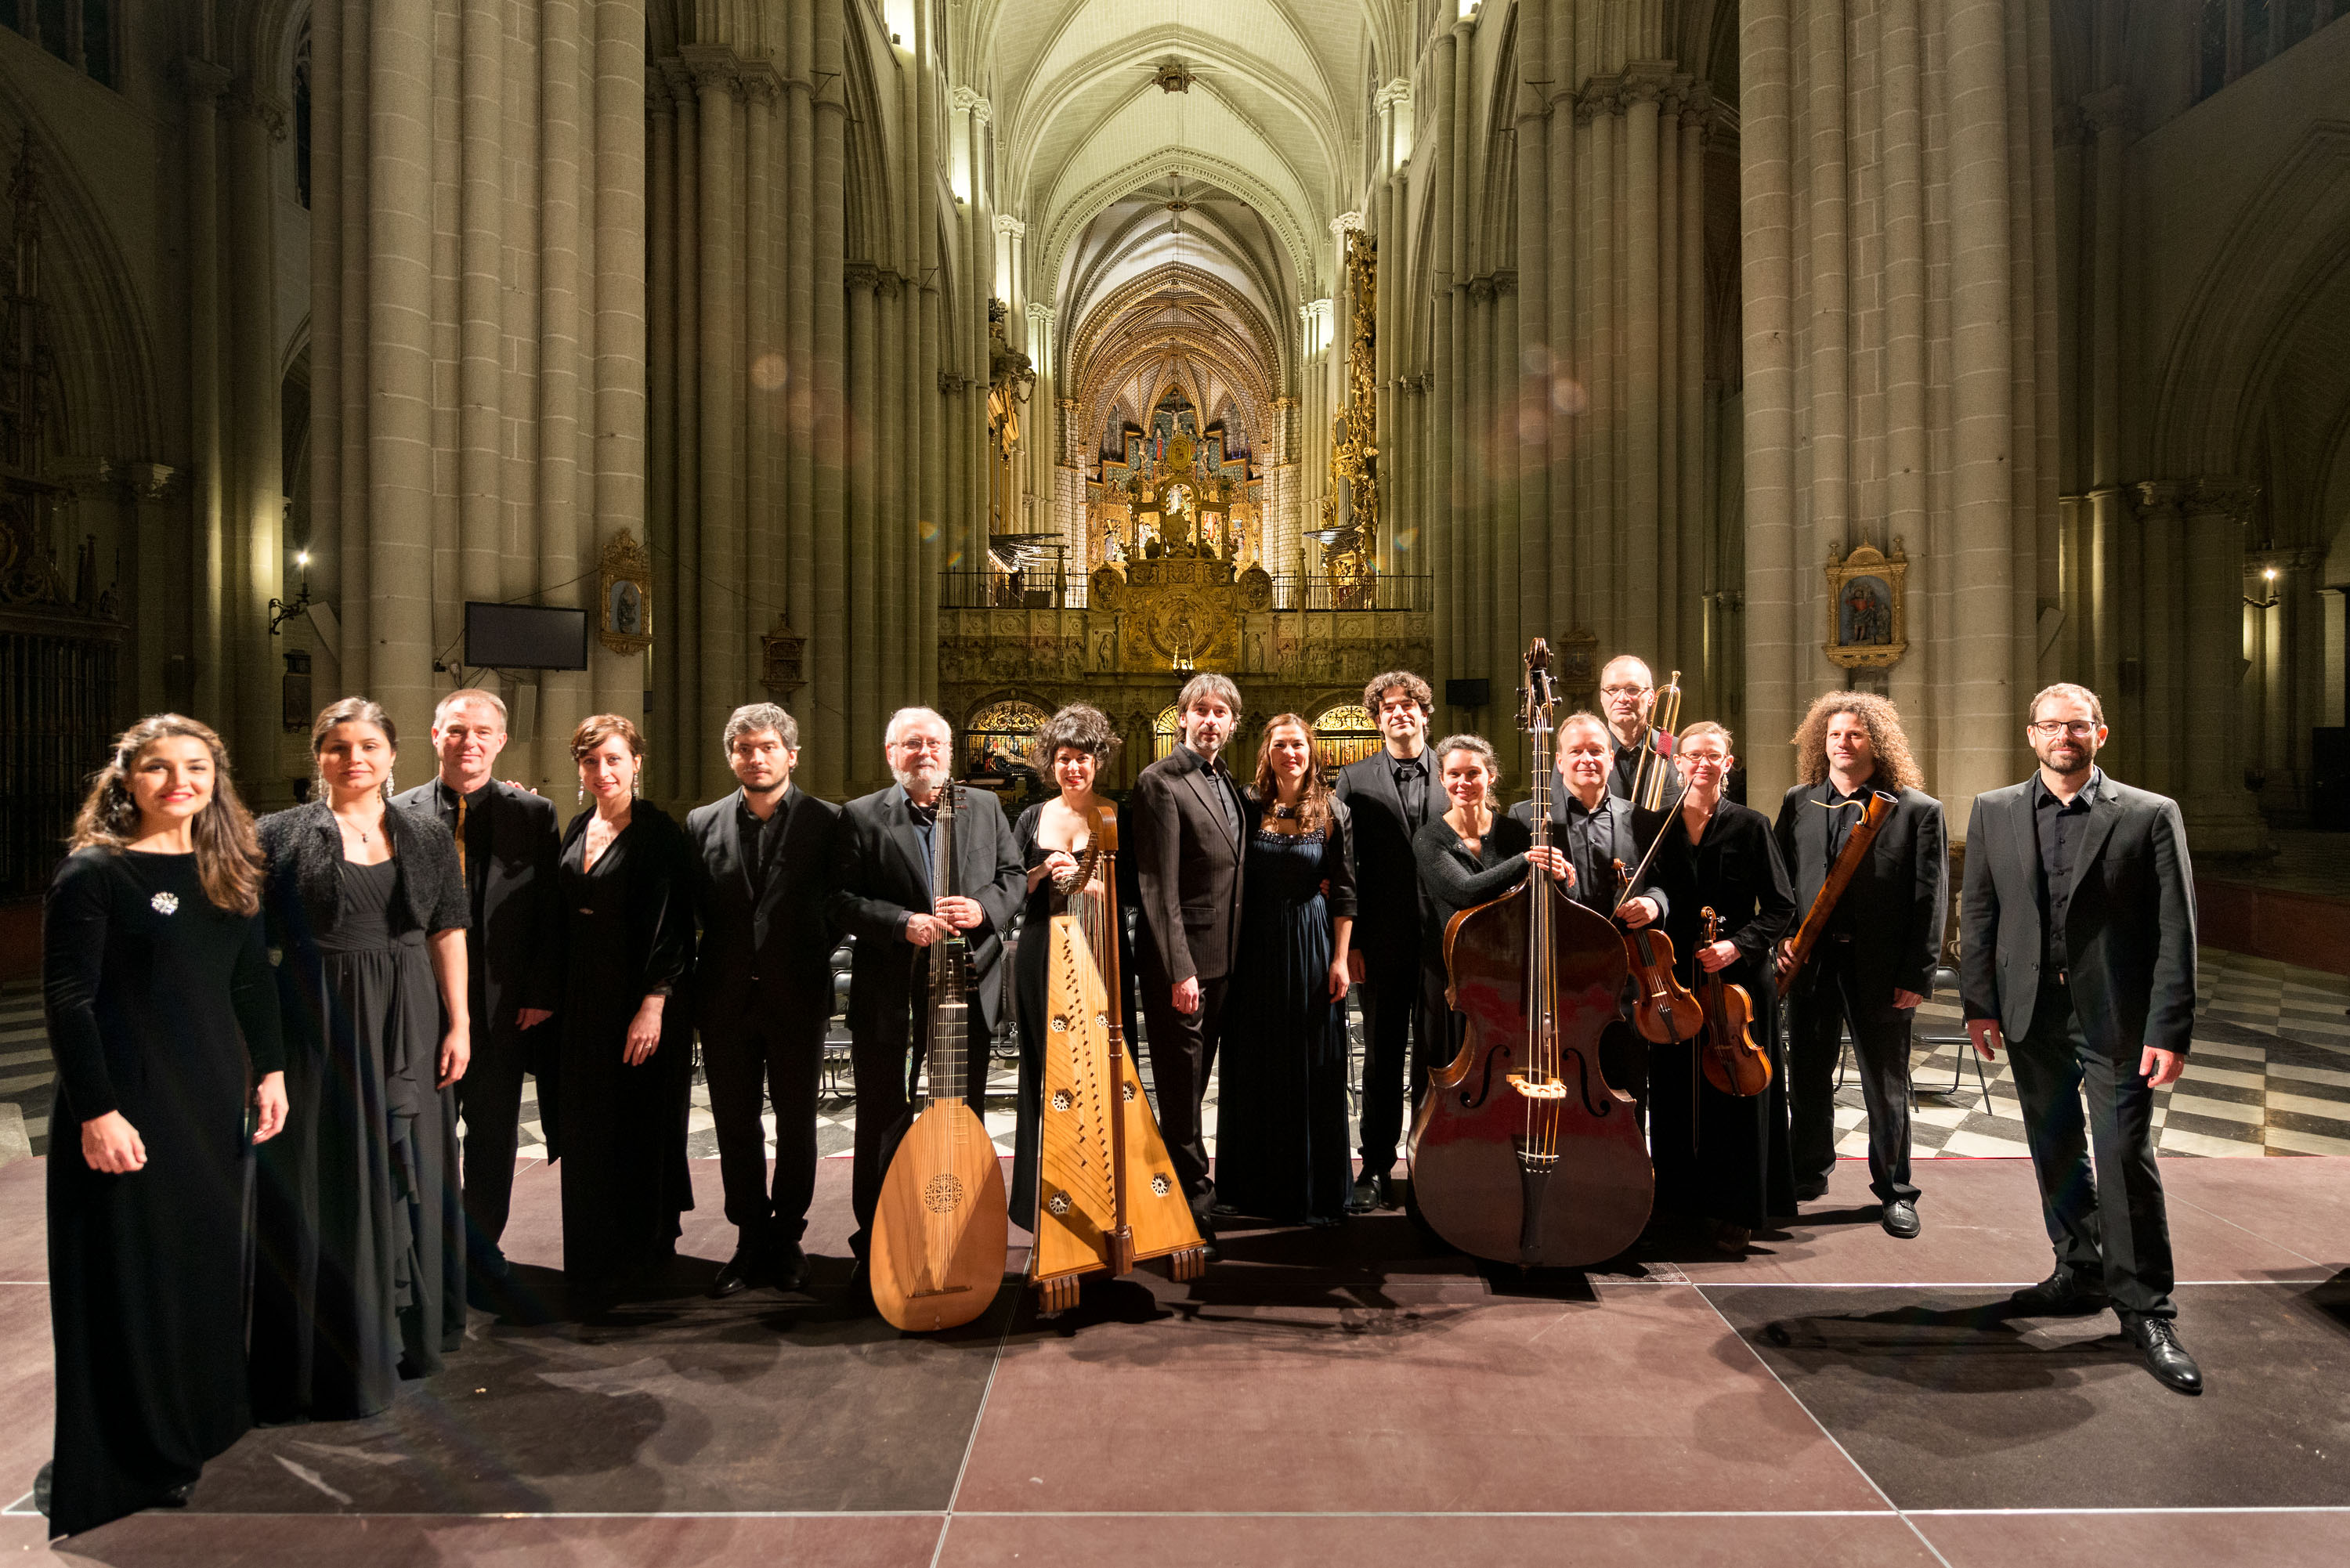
(428, 948)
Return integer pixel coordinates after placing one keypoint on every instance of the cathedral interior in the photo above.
(989, 353)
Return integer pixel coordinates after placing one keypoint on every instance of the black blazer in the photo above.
(1899, 900)
(775, 953)
(302, 850)
(1631, 844)
(1387, 876)
(879, 876)
(514, 947)
(1188, 865)
(2129, 927)
(1734, 871)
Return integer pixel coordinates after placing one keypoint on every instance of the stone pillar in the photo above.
(718, 676)
(762, 422)
(1912, 388)
(205, 83)
(800, 406)
(1440, 526)
(885, 471)
(863, 687)
(2220, 813)
(827, 649)
(255, 124)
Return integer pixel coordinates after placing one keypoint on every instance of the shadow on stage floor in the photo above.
(1360, 1393)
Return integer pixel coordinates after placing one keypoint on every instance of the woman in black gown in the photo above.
(1721, 1159)
(1073, 744)
(164, 1024)
(1281, 1149)
(359, 1226)
(1472, 854)
(627, 1073)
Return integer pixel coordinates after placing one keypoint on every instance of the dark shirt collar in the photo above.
(743, 804)
(447, 791)
(1183, 749)
(1574, 807)
(1408, 766)
(1838, 797)
(2042, 795)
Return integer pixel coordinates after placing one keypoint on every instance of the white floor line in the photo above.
(946, 1521)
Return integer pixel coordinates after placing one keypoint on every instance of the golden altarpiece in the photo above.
(1175, 580)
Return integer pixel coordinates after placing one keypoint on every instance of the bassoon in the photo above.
(1815, 919)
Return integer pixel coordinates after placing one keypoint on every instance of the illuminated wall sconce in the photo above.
(2268, 584)
(280, 611)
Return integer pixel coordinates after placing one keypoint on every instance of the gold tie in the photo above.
(461, 836)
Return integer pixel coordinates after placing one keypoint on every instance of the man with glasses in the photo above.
(1391, 792)
(882, 895)
(2077, 919)
(1628, 693)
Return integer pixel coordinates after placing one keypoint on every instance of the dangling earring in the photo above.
(637, 784)
(583, 793)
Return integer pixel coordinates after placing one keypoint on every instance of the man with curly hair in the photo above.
(1874, 964)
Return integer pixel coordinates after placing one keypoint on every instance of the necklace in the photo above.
(1285, 813)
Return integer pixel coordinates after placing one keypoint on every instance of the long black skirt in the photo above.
(1721, 1157)
(361, 1270)
(1281, 1149)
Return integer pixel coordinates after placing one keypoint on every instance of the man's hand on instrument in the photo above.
(1717, 956)
(924, 930)
(1987, 1038)
(1553, 859)
(1187, 996)
(2159, 1068)
(1637, 912)
(1906, 1000)
(962, 914)
(1786, 962)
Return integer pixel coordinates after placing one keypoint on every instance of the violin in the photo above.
(1732, 1061)
(1666, 1011)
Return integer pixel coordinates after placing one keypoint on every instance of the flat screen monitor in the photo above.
(524, 637)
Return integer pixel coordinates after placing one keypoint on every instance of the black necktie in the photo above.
(1411, 788)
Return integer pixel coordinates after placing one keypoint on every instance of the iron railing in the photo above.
(984, 589)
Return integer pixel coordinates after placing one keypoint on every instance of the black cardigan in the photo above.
(1451, 880)
(304, 851)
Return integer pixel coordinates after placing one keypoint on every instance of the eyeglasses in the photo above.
(1622, 691)
(2079, 728)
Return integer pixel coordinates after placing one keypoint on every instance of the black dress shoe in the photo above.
(1372, 1191)
(2062, 1295)
(2165, 1357)
(42, 1486)
(741, 1272)
(1207, 1248)
(787, 1268)
(1901, 1220)
(179, 1496)
(1811, 1192)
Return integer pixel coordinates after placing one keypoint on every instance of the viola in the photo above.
(1731, 1059)
(1666, 1011)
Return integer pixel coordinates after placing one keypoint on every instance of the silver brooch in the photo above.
(164, 903)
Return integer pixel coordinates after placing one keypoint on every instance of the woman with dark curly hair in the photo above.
(359, 1232)
(164, 1025)
(1071, 748)
(1874, 962)
(1281, 1152)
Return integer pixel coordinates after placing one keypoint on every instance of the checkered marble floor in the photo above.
(2270, 1074)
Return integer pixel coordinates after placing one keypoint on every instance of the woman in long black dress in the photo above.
(1721, 1159)
(360, 1233)
(1472, 854)
(1281, 1149)
(164, 1024)
(626, 1066)
(1073, 744)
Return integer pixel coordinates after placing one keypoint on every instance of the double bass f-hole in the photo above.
(1494, 1062)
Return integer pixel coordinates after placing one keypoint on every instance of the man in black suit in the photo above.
(882, 895)
(1390, 793)
(1628, 695)
(2078, 945)
(506, 846)
(763, 987)
(1874, 965)
(1190, 843)
(1594, 824)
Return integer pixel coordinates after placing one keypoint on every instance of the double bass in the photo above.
(1522, 1151)
(940, 1235)
(1106, 1196)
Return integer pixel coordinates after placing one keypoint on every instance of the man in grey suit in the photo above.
(1190, 843)
(2077, 920)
